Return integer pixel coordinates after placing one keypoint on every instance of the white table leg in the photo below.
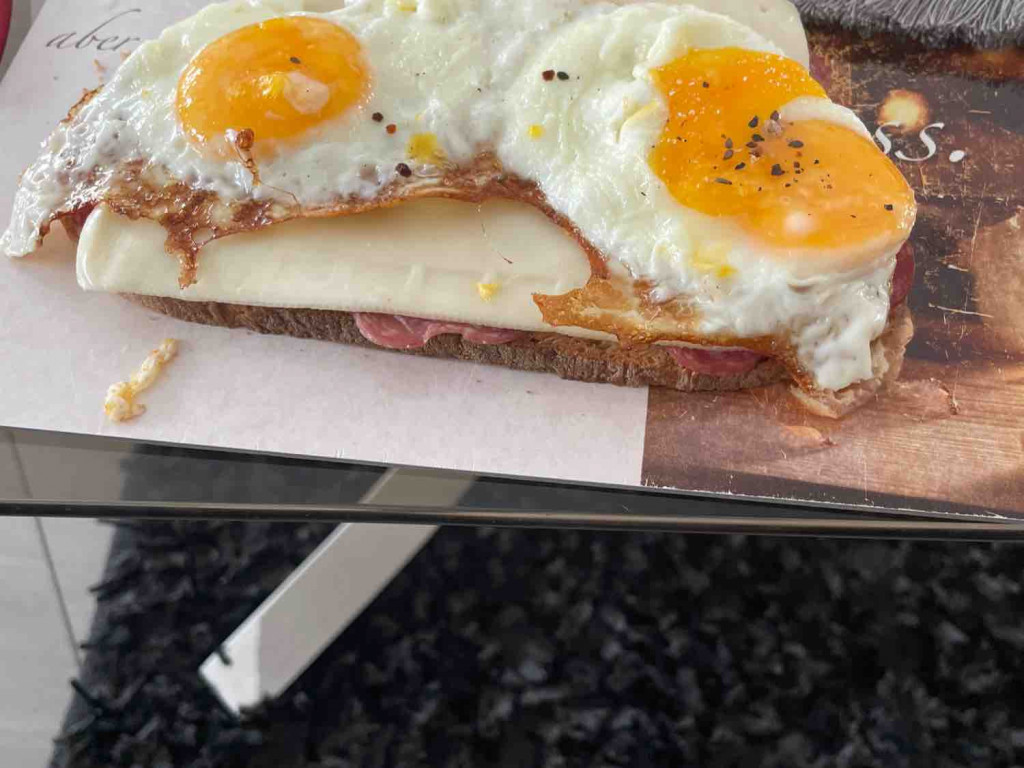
(291, 628)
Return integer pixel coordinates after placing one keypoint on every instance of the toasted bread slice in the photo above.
(566, 356)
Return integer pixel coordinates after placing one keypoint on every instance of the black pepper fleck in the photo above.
(377, 117)
(295, 60)
(720, 180)
(728, 154)
(563, 75)
(796, 163)
(403, 170)
(777, 170)
(775, 115)
(796, 143)
(815, 162)
(548, 74)
(757, 137)
(752, 144)
(705, 84)
(728, 143)
(753, 122)
(888, 206)
(741, 166)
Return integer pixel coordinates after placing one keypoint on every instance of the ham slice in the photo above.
(401, 332)
(903, 276)
(716, 362)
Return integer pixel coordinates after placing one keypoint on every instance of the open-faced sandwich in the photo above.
(635, 193)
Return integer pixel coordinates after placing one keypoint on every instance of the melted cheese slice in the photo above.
(438, 259)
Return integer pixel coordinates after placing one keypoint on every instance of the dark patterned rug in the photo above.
(514, 648)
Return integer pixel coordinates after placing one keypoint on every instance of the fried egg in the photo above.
(717, 189)
(717, 170)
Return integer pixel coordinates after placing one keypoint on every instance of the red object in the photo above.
(5, 23)
(401, 332)
(716, 362)
(903, 276)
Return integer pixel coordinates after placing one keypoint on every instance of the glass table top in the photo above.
(55, 474)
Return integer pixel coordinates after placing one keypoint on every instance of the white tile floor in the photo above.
(37, 654)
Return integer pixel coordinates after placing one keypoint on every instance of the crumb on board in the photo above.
(487, 290)
(120, 403)
(807, 436)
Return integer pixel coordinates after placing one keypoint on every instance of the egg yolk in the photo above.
(804, 184)
(277, 78)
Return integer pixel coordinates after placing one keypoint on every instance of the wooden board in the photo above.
(950, 437)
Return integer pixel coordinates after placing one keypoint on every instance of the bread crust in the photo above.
(566, 356)
(887, 354)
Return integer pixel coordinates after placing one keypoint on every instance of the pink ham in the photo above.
(401, 332)
(716, 362)
(903, 276)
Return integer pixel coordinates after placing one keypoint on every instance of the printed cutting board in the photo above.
(951, 435)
